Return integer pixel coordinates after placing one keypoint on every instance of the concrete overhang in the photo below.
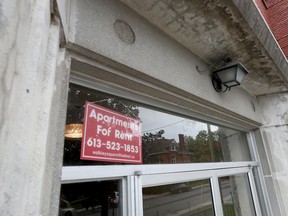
(217, 29)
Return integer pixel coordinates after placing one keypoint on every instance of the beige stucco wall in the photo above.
(30, 96)
(153, 53)
(275, 135)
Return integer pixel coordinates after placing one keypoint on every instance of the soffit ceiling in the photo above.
(215, 30)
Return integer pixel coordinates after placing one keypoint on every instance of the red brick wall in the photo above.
(271, 3)
(276, 14)
(263, 10)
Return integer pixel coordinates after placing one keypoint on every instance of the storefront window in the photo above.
(165, 137)
(188, 151)
(186, 198)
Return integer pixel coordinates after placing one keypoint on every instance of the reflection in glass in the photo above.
(166, 137)
(182, 199)
(236, 196)
(90, 198)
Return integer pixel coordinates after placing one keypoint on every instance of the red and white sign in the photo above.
(110, 136)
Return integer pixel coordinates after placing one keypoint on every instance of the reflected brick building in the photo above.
(167, 151)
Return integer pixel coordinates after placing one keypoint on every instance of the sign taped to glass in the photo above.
(110, 136)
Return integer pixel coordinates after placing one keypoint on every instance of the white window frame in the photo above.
(134, 177)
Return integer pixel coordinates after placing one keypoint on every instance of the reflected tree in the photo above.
(199, 146)
(124, 107)
(75, 114)
(148, 138)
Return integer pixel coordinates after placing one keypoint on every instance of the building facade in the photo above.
(144, 67)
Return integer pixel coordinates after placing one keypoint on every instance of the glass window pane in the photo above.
(182, 199)
(166, 137)
(236, 196)
(100, 198)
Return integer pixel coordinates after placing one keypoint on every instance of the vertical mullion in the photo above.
(138, 196)
(217, 200)
(131, 195)
(254, 193)
(124, 200)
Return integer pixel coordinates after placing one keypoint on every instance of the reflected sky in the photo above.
(171, 124)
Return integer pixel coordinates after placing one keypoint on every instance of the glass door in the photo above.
(182, 198)
(208, 191)
(99, 198)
